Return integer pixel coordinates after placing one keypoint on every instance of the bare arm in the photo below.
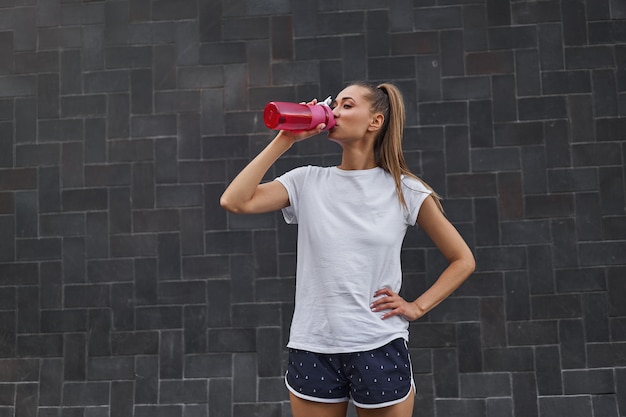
(454, 249)
(246, 194)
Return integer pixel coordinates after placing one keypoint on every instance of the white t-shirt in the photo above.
(351, 226)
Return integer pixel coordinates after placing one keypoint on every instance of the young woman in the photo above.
(350, 327)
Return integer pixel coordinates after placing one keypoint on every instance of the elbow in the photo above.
(228, 205)
(469, 264)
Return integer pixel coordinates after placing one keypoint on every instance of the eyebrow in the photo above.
(342, 99)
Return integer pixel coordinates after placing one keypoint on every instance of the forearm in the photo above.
(243, 187)
(450, 279)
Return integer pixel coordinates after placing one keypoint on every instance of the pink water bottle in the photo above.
(281, 115)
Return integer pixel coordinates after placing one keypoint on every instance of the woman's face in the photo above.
(353, 114)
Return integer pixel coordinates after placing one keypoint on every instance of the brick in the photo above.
(107, 81)
(19, 369)
(153, 126)
(580, 280)
(25, 121)
(469, 341)
(452, 53)
(558, 145)
(427, 71)
(524, 387)
(547, 362)
(495, 62)
(164, 67)
(51, 382)
(85, 14)
(496, 159)
(467, 407)
(118, 120)
(130, 150)
(532, 13)
(85, 394)
(483, 385)
(532, 333)
(255, 315)
(119, 210)
(109, 270)
(64, 224)
(589, 223)
(213, 365)
(164, 10)
(17, 85)
(595, 313)
(269, 347)
(481, 124)
(106, 369)
(205, 266)
(432, 335)
(232, 340)
(135, 343)
(551, 46)
(155, 221)
(575, 406)
(505, 107)
(195, 322)
(122, 306)
(176, 392)
(609, 129)
(457, 88)
(128, 57)
(143, 186)
(86, 296)
(605, 405)
(222, 53)
(594, 154)
(612, 190)
(566, 82)
(608, 253)
(73, 259)
(187, 292)
(37, 62)
(159, 317)
(93, 40)
(572, 344)
(98, 341)
(445, 363)
(39, 345)
(134, 245)
(605, 98)
(61, 130)
(122, 398)
(589, 57)
(63, 321)
(492, 320)
(597, 381)
(85, 105)
(176, 101)
(86, 199)
(44, 248)
(200, 77)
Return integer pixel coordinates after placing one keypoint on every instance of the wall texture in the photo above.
(126, 291)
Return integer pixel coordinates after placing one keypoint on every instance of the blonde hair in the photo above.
(387, 100)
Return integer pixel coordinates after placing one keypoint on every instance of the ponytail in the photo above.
(387, 99)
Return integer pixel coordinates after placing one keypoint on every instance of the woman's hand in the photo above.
(394, 305)
(297, 136)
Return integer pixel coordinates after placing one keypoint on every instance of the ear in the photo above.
(377, 122)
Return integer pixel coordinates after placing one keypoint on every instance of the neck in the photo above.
(357, 160)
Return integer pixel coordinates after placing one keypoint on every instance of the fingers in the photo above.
(391, 304)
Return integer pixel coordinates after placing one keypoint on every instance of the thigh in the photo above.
(305, 408)
(403, 409)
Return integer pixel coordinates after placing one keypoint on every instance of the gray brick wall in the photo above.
(125, 290)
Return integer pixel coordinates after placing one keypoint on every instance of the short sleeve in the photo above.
(415, 193)
(292, 181)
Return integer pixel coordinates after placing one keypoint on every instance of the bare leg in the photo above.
(403, 409)
(305, 408)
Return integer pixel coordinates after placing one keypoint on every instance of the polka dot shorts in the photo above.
(373, 379)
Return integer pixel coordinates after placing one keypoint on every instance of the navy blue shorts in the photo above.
(373, 379)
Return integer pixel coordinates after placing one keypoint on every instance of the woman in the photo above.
(350, 327)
